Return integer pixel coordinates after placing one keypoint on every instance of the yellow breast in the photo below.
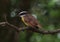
(24, 21)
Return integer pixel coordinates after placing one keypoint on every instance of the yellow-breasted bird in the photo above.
(29, 20)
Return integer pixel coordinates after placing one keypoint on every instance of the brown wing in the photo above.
(29, 19)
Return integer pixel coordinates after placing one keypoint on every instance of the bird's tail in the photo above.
(39, 26)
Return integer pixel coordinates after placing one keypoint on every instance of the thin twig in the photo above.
(2, 23)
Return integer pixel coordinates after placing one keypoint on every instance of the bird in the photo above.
(29, 20)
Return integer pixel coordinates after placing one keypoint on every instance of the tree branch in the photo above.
(47, 32)
(33, 30)
(15, 27)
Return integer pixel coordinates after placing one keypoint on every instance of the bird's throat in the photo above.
(23, 19)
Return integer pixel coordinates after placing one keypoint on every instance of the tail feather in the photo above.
(39, 26)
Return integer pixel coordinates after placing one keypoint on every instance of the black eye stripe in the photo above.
(23, 13)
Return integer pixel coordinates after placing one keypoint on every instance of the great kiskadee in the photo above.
(29, 20)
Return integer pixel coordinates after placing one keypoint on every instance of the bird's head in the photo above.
(23, 13)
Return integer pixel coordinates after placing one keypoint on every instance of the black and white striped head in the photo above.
(23, 13)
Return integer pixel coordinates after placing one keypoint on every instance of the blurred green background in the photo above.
(48, 14)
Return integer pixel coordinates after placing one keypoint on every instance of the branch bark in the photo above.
(33, 30)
